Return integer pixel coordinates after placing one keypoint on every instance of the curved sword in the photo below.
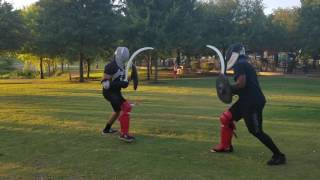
(129, 64)
(222, 63)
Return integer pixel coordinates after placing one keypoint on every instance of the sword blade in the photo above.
(222, 63)
(129, 64)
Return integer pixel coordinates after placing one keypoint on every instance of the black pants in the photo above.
(115, 98)
(252, 115)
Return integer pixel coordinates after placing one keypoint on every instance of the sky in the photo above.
(269, 4)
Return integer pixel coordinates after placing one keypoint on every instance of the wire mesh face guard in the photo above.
(121, 56)
(233, 59)
(233, 53)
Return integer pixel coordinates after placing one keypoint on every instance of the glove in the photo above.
(124, 84)
(105, 84)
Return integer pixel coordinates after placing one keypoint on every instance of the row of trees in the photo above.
(86, 30)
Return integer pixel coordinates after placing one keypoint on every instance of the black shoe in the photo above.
(108, 131)
(277, 160)
(126, 138)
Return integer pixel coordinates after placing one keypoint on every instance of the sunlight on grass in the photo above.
(51, 128)
(5, 167)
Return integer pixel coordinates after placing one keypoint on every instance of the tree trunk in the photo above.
(276, 59)
(81, 79)
(178, 58)
(54, 64)
(62, 66)
(49, 68)
(68, 67)
(148, 67)
(41, 68)
(151, 64)
(88, 68)
(156, 69)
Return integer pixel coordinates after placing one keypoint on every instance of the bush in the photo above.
(20, 74)
(207, 66)
(195, 65)
(27, 74)
(8, 65)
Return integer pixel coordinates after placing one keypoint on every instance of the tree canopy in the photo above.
(82, 30)
(13, 31)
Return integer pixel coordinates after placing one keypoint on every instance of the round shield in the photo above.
(224, 89)
(134, 76)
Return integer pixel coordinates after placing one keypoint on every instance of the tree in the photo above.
(218, 23)
(165, 24)
(252, 23)
(309, 27)
(83, 27)
(284, 25)
(13, 32)
(36, 44)
(146, 23)
(181, 26)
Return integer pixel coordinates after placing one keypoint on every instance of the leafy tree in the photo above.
(146, 24)
(252, 23)
(13, 32)
(309, 27)
(165, 24)
(218, 23)
(37, 44)
(284, 25)
(83, 28)
(181, 26)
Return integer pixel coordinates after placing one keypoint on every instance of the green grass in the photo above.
(51, 130)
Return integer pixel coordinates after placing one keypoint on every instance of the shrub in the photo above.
(207, 66)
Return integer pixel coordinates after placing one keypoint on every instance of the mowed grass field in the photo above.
(51, 130)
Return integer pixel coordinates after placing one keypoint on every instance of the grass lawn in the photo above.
(51, 130)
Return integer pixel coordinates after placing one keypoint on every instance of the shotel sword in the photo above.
(130, 65)
(222, 64)
(222, 83)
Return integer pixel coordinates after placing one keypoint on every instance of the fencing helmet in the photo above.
(233, 53)
(121, 56)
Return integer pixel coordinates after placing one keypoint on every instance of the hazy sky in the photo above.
(274, 4)
(269, 4)
(20, 3)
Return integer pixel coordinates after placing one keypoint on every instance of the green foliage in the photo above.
(74, 30)
(25, 74)
(87, 30)
(218, 24)
(13, 32)
(195, 65)
(309, 26)
(8, 64)
(283, 30)
(81, 26)
(207, 66)
(13, 67)
(252, 24)
(164, 24)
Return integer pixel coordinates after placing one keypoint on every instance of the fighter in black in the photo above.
(249, 106)
(113, 82)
